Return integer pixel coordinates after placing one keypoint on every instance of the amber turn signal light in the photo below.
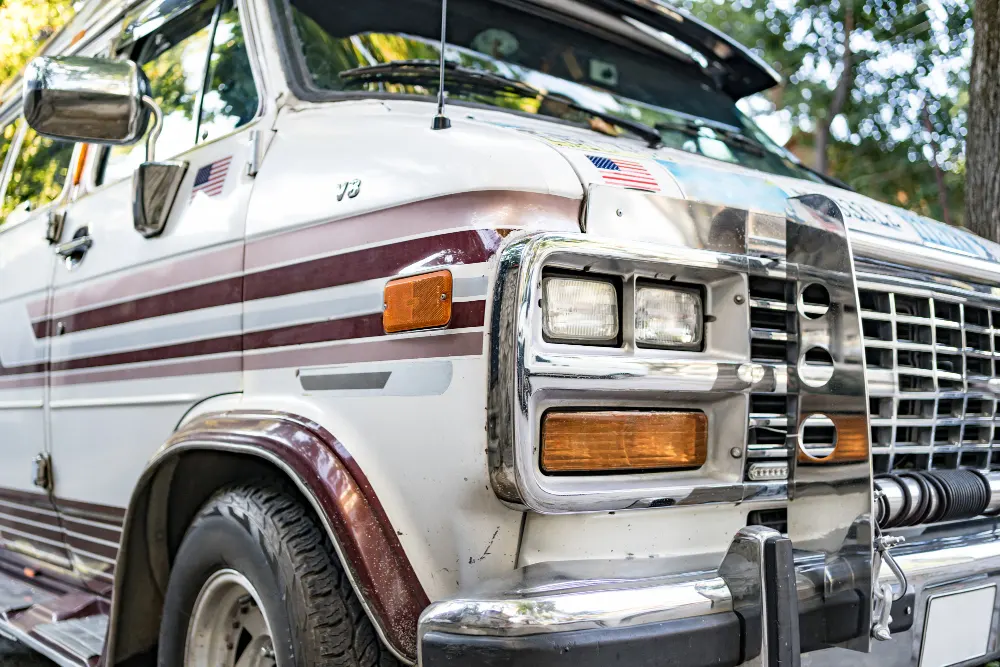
(417, 302)
(615, 441)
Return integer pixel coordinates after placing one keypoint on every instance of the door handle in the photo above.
(73, 250)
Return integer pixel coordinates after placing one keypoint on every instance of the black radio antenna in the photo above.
(441, 121)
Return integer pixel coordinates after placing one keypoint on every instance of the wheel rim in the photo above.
(228, 627)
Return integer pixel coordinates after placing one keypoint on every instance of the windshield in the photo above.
(629, 70)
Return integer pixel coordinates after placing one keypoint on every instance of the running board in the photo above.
(67, 627)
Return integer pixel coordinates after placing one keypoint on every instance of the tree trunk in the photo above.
(982, 191)
(839, 94)
(938, 175)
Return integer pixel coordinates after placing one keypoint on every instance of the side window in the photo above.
(6, 137)
(174, 60)
(38, 174)
(231, 96)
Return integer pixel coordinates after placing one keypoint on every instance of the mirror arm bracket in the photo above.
(154, 134)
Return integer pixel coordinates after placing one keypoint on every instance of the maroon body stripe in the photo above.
(31, 514)
(79, 544)
(465, 314)
(107, 534)
(464, 247)
(218, 293)
(220, 345)
(26, 529)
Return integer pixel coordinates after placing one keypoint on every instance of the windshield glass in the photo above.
(629, 70)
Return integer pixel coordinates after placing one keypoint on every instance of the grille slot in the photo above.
(929, 357)
(933, 407)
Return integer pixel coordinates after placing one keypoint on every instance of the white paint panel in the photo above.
(106, 432)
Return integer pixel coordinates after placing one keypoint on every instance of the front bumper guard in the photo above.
(764, 606)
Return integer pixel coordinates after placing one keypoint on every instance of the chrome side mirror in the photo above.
(105, 101)
(86, 99)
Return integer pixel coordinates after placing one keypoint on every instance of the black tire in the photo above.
(263, 532)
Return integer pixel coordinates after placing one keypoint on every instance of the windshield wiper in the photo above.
(427, 70)
(726, 136)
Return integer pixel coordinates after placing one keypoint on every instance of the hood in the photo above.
(626, 163)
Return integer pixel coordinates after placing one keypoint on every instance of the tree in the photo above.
(983, 178)
(24, 26)
(874, 90)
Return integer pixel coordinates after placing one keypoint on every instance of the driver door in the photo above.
(145, 328)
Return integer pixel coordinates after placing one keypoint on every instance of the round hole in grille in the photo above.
(814, 301)
(815, 367)
(817, 437)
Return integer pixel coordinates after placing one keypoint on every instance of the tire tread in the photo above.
(340, 630)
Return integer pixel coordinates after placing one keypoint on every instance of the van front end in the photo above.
(623, 386)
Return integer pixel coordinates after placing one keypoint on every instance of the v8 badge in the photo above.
(350, 188)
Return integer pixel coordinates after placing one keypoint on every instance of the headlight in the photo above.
(668, 318)
(579, 310)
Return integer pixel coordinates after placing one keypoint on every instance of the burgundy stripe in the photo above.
(52, 534)
(26, 498)
(175, 369)
(219, 293)
(170, 272)
(464, 314)
(465, 247)
(220, 345)
(106, 534)
(23, 369)
(92, 511)
(93, 547)
(30, 514)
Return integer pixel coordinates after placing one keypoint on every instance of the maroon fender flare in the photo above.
(329, 476)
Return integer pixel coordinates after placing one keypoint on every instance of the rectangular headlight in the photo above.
(579, 310)
(667, 317)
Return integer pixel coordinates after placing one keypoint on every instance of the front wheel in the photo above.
(256, 583)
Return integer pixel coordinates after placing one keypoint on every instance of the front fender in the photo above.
(325, 473)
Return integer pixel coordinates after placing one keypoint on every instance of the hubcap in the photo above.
(228, 627)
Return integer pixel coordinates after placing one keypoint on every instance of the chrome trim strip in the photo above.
(942, 262)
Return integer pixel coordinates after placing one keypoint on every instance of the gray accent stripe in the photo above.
(344, 381)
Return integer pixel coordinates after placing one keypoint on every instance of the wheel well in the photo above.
(161, 514)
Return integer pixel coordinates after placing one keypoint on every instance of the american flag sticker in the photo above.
(211, 178)
(626, 173)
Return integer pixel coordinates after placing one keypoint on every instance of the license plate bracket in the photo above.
(957, 626)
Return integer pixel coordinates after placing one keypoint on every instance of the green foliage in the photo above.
(905, 56)
(24, 27)
(39, 172)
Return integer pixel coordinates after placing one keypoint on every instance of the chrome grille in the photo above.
(930, 356)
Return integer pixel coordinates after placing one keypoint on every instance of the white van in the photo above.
(303, 365)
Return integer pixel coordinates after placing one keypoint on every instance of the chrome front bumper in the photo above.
(623, 612)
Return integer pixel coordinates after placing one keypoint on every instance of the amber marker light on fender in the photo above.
(417, 302)
(623, 441)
